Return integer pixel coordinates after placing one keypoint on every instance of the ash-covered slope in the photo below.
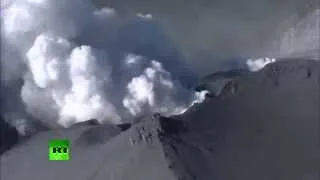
(99, 152)
(265, 128)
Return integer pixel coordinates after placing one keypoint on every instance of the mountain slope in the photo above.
(267, 128)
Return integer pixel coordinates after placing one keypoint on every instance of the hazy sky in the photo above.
(207, 31)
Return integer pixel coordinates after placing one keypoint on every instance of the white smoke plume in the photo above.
(257, 64)
(76, 64)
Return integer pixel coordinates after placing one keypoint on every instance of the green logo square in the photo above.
(59, 150)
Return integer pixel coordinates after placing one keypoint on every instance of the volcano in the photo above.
(265, 128)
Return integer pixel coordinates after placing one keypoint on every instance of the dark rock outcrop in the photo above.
(8, 135)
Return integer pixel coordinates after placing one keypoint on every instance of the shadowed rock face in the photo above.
(268, 128)
(90, 122)
(8, 136)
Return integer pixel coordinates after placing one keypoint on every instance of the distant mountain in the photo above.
(267, 128)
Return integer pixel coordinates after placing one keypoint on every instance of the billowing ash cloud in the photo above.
(146, 92)
(78, 62)
(67, 61)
